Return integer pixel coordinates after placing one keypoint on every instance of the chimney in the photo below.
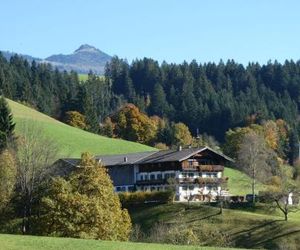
(179, 148)
(125, 159)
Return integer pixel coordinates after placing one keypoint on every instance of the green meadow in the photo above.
(72, 141)
(18, 242)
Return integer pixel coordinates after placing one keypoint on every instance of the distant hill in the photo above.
(8, 55)
(86, 58)
(72, 141)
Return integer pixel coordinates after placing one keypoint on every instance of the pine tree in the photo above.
(6, 124)
(159, 105)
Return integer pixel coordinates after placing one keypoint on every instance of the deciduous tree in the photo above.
(85, 205)
(181, 134)
(7, 177)
(76, 119)
(282, 189)
(35, 154)
(253, 158)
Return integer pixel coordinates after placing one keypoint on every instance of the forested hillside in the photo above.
(210, 98)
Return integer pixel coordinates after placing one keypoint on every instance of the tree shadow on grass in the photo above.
(256, 227)
(204, 218)
(276, 237)
(263, 235)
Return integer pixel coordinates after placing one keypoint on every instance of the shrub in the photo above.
(128, 199)
(176, 234)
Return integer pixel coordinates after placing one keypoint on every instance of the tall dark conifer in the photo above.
(7, 125)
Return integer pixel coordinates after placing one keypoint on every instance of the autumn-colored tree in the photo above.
(234, 138)
(181, 134)
(271, 134)
(76, 119)
(107, 128)
(161, 146)
(7, 177)
(133, 125)
(84, 205)
(275, 134)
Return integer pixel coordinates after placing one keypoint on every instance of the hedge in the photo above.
(140, 197)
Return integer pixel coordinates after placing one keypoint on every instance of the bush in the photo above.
(210, 235)
(176, 234)
(128, 199)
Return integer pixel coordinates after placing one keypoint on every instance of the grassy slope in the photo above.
(18, 242)
(249, 228)
(72, 141)
(239, 183)
(83, 77)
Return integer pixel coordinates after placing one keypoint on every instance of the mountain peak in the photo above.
(84, 59)
(86, 48)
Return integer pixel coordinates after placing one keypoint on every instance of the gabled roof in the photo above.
(123, 159)
(148, 157)
(178, 155)
(113, 160)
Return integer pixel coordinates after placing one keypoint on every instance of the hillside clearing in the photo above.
(72, 141)
(239, 183)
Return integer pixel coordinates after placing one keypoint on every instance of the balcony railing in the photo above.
(203, 168)
(211, 168)
(151, 182)
(186, 180)
(209, 180)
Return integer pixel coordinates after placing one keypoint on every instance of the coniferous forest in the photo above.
(209, 98)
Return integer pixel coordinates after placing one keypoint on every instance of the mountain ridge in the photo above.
(83, 60)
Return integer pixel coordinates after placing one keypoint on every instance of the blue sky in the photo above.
(170, 30)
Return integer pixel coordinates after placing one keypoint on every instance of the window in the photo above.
(184, 188)
(141, 177)
(190, 175)
(191, 188)
(152, 177)
(146, 177)
(159, 176)
(118, 189)
(211, 187)
(152, 188)
(123, 189)
(167, 176)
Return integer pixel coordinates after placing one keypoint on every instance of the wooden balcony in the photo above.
(195, 166)
(186, 180)
(209, 180)
(211, 168)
